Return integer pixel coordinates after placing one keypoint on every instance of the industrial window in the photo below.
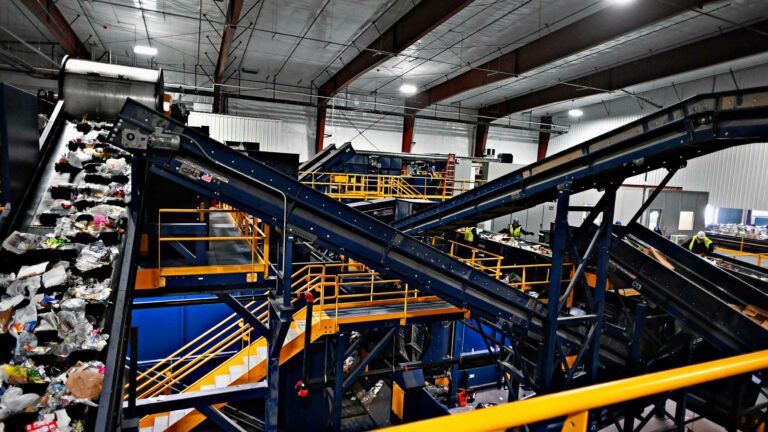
(686, 221)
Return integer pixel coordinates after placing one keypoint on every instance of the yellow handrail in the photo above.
(164, 374)
(576, 403)
(246, 224)
(375, 186)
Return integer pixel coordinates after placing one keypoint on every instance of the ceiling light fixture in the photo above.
(145, 50)
(408, 89)
(575, 113)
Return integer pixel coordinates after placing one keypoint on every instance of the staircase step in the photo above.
(222, 380)
(292, 334)
(160, 424)
(261, 353)
(236, 372)
(177, 415)
(302, 325)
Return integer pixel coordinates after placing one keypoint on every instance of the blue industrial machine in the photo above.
(20, 151)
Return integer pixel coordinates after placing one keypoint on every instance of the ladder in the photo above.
(450, 175)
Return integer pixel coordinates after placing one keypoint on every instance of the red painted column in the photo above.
(544, 134)
(320, 127)
(409, 122)
(481, 139)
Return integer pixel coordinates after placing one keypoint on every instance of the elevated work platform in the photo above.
(249, 365)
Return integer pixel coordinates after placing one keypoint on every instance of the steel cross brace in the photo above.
(219, 419)
(600, 243)
(368, 359)
(670, 173)
(246, 315)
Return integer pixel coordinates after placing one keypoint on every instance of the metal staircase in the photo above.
(327, 282)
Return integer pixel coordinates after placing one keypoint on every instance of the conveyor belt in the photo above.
(700, 295)
(750, 273)
(214, 170)
(667, 138)
(330, 159)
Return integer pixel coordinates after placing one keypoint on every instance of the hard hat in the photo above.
(700, 235)
(515, 221)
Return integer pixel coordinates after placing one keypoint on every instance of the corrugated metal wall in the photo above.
(266, 132)
(734, 177)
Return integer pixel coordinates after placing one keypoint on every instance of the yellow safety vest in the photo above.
(706, 240)
(516, 232)
(468, 236)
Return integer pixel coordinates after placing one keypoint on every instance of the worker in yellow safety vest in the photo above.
(701, 244)
(470, 235)
(516, 230)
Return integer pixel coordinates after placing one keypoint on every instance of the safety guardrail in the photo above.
(575, 404)
(374, 186)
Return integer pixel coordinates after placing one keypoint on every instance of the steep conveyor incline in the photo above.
(214, 170)
(667, 138)
(709, 301)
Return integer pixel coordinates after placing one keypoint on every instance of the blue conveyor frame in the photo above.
(667, 138)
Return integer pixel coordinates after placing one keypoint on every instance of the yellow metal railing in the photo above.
(476, 257)
(491, 264)
(759, 256)
(321, 279)
(327, 282)
(252, 231)
(374, 186)
(575, 404)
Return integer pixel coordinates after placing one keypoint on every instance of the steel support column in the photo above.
(456, 347)
(279, 322)
(544, 134)
(320, 127)
(634, 362)
(234, 8)
(547, 353)
(481, 139)
(601, 280)
(409, 122)
(338, 388)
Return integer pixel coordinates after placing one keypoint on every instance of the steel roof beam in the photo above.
(598, 28)
(47, 12)
(234, 8)
(722, 48)
(420, 20)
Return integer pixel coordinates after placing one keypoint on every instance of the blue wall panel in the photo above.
(163, 330)
(729, 215)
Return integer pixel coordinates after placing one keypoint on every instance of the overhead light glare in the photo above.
(145, 50)
(408, 89)
(575, 113)
(622, 2)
